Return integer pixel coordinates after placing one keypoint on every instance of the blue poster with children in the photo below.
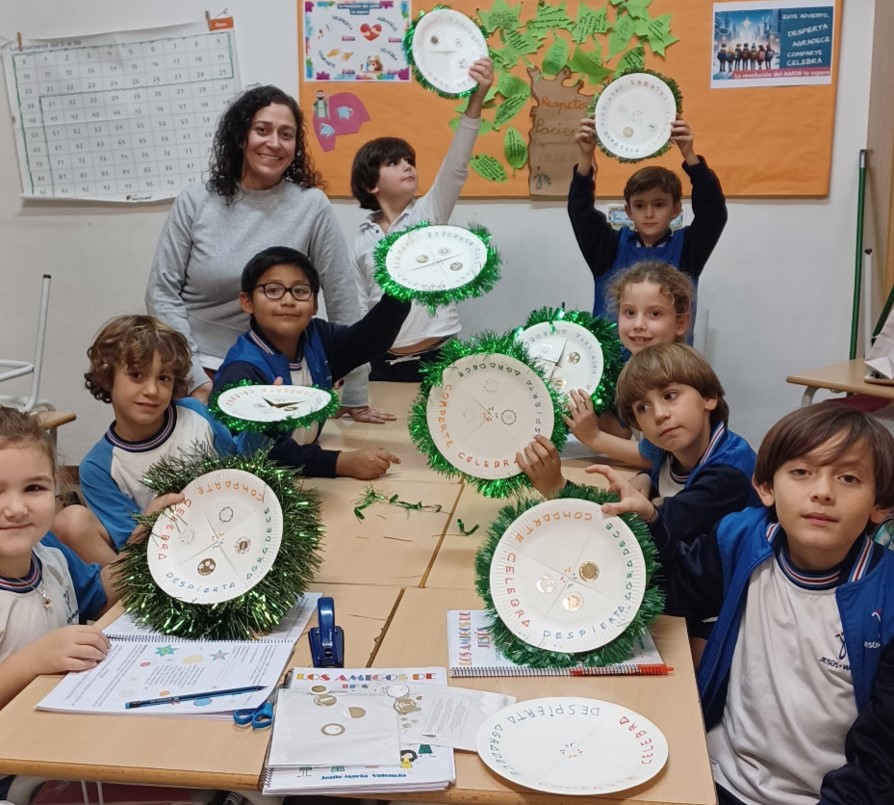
(772, 43)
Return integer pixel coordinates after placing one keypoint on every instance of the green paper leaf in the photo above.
(489, 168)
(549, 17)
(659, 34)
(589, 62)
(515, 148)
(638, 8)
(619, 38)
(631, 61)
(556, 57)
(510, 107)
(509, 85)
(504, 58)
(589, 23)
(521, 43)
(501, 16)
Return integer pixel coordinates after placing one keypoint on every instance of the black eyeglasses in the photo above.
(274, 291)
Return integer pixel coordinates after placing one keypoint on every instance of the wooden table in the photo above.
(193, 752)
(418, 636)
(846, 376)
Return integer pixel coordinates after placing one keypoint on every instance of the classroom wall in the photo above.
(776, 293)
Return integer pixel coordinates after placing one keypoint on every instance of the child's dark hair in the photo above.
(368, 161)
(663, 365)
(278, 256)
(232, 133)
(672, 283)
(132, 341)
(23, 430)
(814, 426)
(654, 178)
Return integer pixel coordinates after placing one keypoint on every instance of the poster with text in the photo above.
(772, 44)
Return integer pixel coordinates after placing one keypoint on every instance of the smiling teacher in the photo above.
(263, 192)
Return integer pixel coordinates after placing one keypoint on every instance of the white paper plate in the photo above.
(220, 542)
(272, 403)
(634, 115)
(572, 745)
(487, 409)
(565, 577)
(445, 43)
(436, 258)
(570, 355)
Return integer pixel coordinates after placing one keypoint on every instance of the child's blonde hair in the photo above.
(132, 341)
(23, 430)
(671, 282)
(662, 365)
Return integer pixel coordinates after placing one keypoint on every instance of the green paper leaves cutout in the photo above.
(619, 38)
(501, 16)
(589, 23)
(556, 57)
(509, 108)
(632, 61)
(488, 167)
(515, 148)
(549, 17)
(590, 64)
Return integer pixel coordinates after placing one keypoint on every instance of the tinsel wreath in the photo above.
(606, 333)
(408, 53)
(260, 609)
(678, 100)
(483, 283)
(484, 344)
(525, 654)
(288, 424)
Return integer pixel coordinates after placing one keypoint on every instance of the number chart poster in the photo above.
(551, 60)
(124, 116)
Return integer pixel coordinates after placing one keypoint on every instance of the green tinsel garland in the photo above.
(408, 53)
(483, 344)
(238, 425)
(260, 609)
(606, 333)
(678, 99)
(484, 282)
(525, 654)
(371, 496)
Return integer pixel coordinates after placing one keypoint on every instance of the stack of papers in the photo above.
(371, 730)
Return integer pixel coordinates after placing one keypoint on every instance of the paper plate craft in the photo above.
(634, 115)
(575, 351)
(436, 264)
(572, 745)
(231, 559)
(565, 584)
(264, 409)
(441, 46)
(479, 405)
(220, 542)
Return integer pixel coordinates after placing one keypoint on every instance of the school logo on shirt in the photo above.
(838, 662)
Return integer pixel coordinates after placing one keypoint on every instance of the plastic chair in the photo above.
(21, 368)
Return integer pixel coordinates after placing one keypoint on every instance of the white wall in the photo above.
(778, 288)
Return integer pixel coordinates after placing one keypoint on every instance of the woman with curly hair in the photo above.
(263, 192)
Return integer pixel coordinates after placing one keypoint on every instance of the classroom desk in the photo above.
(345, 434)
(390, 545)
(846, 376)
(192, 752)
(418, 636)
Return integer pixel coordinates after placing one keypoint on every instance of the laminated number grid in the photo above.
(125, 121)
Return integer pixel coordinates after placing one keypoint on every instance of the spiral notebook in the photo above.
(143, 665)
(471, 652)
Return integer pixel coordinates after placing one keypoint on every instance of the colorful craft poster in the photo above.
(355, 40)
(772, 44)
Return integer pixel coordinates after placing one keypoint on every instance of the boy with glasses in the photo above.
(287, 345)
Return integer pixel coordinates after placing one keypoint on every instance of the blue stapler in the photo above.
(327, 641)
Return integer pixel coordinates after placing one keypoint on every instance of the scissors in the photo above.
(260, 717)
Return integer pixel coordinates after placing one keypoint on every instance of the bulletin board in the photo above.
(763, 141)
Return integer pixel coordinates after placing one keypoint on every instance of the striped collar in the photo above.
(170, 422)
(257, 338)
(716, 438)
(853, 567)
(28, 583)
